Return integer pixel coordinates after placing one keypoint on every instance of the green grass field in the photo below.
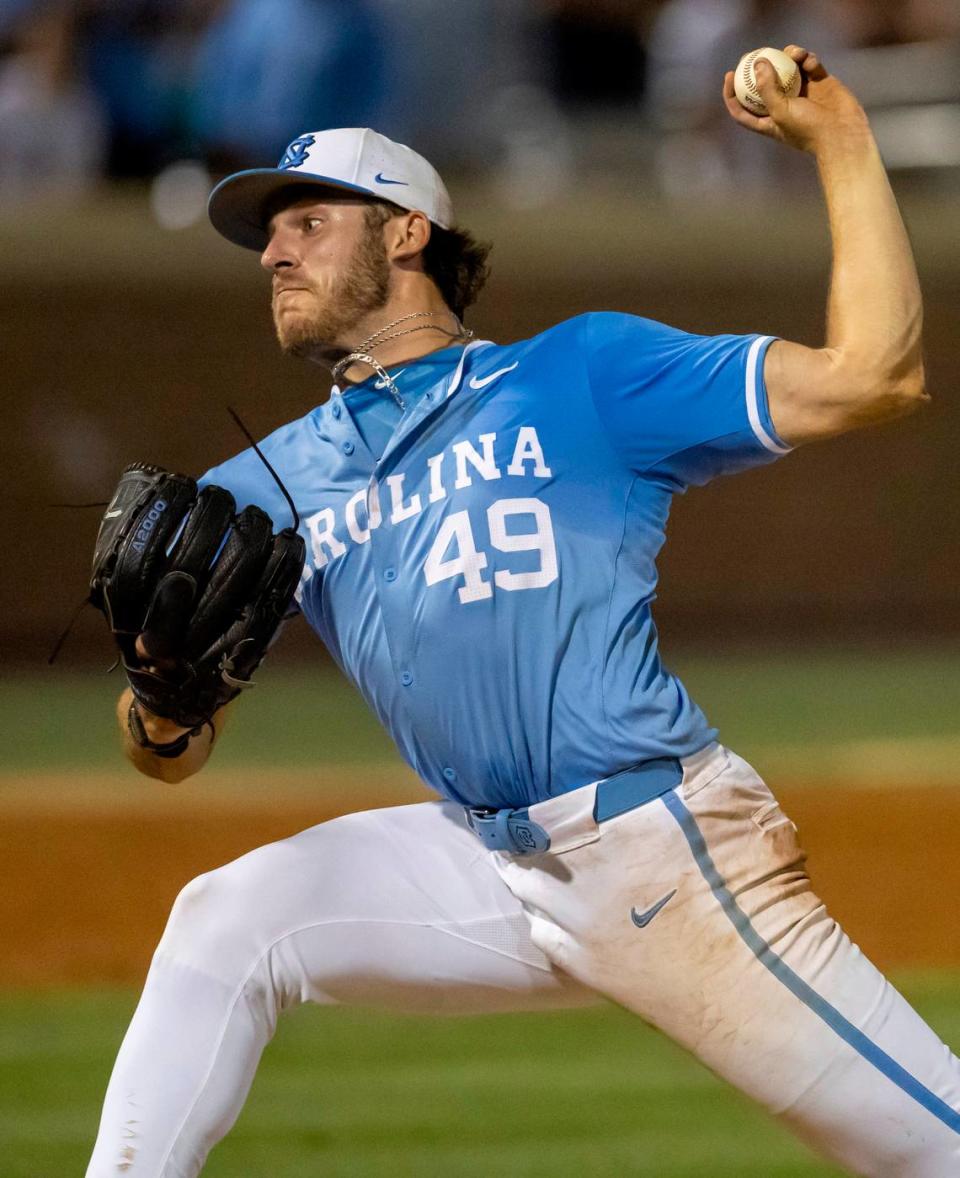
(348, 1093)
(807, 711)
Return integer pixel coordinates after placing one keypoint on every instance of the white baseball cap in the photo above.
(355, 159)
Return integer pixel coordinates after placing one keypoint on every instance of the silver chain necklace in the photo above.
(383, 335)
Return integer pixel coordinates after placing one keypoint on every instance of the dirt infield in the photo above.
(86, 882)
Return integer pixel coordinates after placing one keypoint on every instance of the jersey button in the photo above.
(406, 678)
(336, 409)
(390, 574)
(348, 447)
(450, 774)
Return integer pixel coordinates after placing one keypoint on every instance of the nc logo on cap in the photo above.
(296, 153)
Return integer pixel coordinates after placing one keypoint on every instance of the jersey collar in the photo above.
(427, 406)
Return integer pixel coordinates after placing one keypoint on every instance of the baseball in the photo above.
(745, 83)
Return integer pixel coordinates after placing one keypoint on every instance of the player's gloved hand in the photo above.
(204, 589)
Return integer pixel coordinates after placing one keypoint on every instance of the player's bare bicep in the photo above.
(816, 393)
(805, 393)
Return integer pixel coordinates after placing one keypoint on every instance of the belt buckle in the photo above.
(507, 830)
(528, 837)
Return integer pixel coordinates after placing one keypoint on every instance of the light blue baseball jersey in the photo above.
(481, 563)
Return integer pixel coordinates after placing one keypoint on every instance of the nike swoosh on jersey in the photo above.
(481, 382)
(381, 179)
(642, 919)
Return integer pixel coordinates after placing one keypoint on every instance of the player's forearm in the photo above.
(169, 769)
(875, 310)
(870, 368)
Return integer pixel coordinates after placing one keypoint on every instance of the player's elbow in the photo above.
(912, 390)
(871, 397)
(896, 395)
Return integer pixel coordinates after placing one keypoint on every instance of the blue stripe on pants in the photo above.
(795, 984)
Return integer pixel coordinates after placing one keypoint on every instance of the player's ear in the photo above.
(407, 236)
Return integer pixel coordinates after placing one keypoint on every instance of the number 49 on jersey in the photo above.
(455, 537)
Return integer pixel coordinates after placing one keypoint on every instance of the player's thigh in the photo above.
(398, 907)
(702, 919)
(821, 1036)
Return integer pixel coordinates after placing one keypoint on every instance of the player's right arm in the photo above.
(870, 368)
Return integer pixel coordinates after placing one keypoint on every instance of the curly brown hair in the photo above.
(453, 258)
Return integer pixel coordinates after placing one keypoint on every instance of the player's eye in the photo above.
(311, 224)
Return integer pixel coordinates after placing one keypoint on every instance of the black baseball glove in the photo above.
(206, 588)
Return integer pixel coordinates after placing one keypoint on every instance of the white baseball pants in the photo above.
(693, 910)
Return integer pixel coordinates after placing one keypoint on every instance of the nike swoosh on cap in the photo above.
(480, 382)
(381, 179)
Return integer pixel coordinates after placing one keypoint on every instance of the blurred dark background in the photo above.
(588, 141)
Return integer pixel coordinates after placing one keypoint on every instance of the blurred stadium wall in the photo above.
(123, 340)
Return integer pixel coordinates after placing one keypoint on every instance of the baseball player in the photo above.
(481, 525)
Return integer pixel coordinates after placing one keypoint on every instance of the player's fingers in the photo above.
(813, 68)
(738, 113)
(808, 62)
(768, 86)
(729, 94)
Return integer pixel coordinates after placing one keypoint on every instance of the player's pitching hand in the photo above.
(825, 111)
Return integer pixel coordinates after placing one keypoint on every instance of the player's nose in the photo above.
(278, 252)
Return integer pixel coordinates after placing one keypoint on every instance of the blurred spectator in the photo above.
(52, 129)
(595, 51)
(446, 63)
(138, 55)
(268, 70)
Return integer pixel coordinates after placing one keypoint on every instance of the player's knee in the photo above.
(222, 920)
(205, 914)
(228, 918)
(202, 904)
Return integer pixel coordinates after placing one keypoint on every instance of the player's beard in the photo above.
(362, 289)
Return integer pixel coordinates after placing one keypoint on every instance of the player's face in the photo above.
(330, 271)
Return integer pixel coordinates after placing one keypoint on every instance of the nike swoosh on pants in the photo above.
(642, 919)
